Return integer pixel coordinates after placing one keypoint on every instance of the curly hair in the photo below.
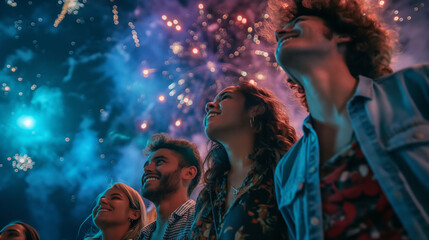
(273, 138)
(369, 53)
(188, 151)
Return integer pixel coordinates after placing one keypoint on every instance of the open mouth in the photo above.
(104, 209)
(287, 39)
(150, 178)
(212, 115)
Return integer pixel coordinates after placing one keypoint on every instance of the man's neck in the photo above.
(328, 87)
(168, 205)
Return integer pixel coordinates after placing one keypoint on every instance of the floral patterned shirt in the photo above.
(353, 204)
(253, 215)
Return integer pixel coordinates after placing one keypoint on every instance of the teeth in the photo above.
(213, 114)
(103, 210)
(150, 179)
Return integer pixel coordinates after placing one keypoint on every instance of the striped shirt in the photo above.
(179, 223)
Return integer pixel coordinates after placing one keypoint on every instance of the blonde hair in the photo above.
(136, 203)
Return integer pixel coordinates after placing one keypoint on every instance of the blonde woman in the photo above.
(119, 214)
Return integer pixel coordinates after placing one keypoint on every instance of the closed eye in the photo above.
(225, 97)
(160, 162)
(10, 233)
(115, 196)
(292, 23)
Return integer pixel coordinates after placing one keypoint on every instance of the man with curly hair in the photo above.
(361, 169)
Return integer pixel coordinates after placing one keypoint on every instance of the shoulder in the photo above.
(188, 206)
(185, 212)
(147, 230)
(416, 74)
(407, 88)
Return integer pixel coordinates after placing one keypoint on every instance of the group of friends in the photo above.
(360, 170)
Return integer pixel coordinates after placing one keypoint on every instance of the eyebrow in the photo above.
(9, 230)
(115, 194)
(155, 158)
(222, 94)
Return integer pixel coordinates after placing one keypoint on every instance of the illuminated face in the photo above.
(13, 232)
(303, 39)
(226, 114)
(161, 174)
(113, 208)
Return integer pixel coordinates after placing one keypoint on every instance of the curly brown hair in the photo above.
(369, 53)
(274, 136)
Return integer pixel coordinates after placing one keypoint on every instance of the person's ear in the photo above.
(342, 38)
(188, 173)
(257, 110)
(135, 214)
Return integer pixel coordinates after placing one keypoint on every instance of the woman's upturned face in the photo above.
(13, 232)
(113, 208)
(226, 114)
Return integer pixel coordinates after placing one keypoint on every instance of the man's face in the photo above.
(161, 174)
(302, 40)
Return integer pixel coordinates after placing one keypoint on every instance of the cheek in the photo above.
(234, 109)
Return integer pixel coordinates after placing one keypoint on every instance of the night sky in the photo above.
(85, 83)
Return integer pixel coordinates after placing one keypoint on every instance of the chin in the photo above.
(152, 196)
(285, 59)
(210, 133)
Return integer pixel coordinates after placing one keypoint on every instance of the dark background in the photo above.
(73, 97)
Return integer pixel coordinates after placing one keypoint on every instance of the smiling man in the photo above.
(361, 169)
(171, 173)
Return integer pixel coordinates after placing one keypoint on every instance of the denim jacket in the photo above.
(390, 120)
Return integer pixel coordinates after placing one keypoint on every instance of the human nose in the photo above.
(148, 167)
(103, 200)
(209, 106)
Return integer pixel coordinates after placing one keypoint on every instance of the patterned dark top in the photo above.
(179, 224)
(354, 206)
(253, 215)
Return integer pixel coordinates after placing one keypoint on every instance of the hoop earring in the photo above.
(252, 122)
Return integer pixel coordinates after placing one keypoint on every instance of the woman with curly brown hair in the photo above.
(250, 131)
(360, 171)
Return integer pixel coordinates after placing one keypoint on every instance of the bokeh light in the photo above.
(26, 122)
(178, 123)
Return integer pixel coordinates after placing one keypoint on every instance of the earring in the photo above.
(252, 122)
(129, 219)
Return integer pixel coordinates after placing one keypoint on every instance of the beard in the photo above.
(168, 184)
